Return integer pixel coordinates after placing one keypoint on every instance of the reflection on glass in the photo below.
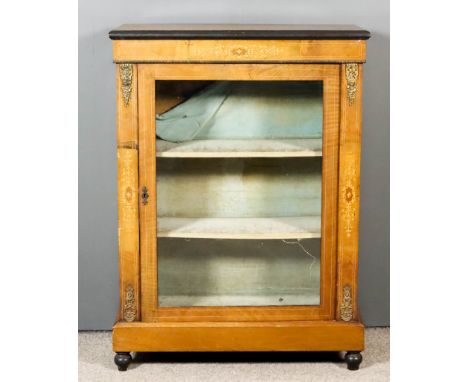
(207, 272)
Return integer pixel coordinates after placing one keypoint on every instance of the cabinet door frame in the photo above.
(148, 74)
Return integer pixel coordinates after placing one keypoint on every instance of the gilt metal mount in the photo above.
(346, 308)
(130, 310)
(126, 78)
(352, 73)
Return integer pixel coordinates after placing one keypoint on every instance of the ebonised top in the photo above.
(238, 32)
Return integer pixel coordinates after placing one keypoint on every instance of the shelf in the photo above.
(280, 299)
(263, 148)
(304, 227)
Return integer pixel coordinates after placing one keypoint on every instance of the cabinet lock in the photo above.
(144, 195)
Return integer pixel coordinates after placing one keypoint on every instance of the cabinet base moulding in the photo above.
(238, 336)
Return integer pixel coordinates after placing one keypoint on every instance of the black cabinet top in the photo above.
(238, 32)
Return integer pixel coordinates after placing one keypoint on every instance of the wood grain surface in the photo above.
(239, 336)
(260, 51)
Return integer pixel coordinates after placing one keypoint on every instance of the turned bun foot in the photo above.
(353, 360)
(122, 360)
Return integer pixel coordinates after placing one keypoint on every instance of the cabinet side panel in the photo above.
(348, 198)
(127, 178)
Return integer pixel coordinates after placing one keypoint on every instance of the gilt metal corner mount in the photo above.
(346, 308)
(126, 79)
(130, 310)
(352, 73)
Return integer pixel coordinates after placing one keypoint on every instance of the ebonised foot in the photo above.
(122, 360)
(353, 360)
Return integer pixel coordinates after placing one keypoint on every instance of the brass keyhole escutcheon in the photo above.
(144, 195)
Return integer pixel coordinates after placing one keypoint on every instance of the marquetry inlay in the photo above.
(127, 194)
(349, 197)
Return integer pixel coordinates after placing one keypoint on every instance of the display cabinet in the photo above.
(238, 153)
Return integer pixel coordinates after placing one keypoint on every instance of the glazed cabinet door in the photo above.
(238, 175)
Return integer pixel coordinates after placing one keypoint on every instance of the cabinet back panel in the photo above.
(243, 110)
(202, 272)
(241, 187)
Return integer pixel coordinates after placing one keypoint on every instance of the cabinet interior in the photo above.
(239, 210)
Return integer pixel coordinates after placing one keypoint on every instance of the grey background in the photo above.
(98, 266)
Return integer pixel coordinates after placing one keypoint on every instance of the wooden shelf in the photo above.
(259, 148)
(304, 227)
(311, 297)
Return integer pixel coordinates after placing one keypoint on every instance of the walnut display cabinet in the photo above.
(238, 153)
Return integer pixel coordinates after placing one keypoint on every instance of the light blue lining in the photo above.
(246, 110)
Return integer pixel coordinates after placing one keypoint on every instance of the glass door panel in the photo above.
(239, 192)
(217, 272)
